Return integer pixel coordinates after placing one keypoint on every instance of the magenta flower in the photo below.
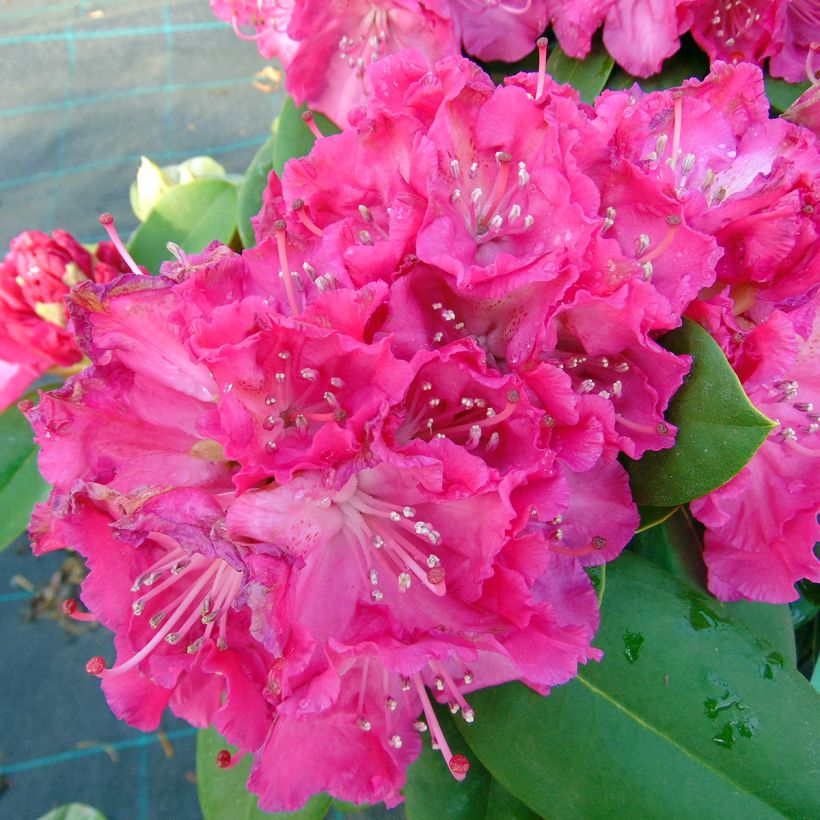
(749, 31)
(745, 188)
(805, 110)
(35, 276)
(796, 58)
(180, 640)
(762, 525)
(327, 47)
(363, 464)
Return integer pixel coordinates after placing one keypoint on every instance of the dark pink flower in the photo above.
(796, 57)
(182, 639)
(35, 277)
(748, 31)
(326, 47)
(297, 396)
(805, 110)
(499, 29)
(762, 525)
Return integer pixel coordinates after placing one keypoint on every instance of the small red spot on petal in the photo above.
(70, 607)
(95, 665)
(459, 764)
(223, 758)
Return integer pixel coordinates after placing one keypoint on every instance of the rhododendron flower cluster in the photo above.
(35, 276)
(752, 184)
(640, 36)
(362, 466)
(306, 35)
(326, 47)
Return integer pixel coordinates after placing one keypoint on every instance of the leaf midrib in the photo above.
(700, 761)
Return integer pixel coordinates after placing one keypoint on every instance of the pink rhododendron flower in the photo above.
(326, 47)
(762, 526)
(748, 31)
(379, 543)
(309, 37)
(747, 188)
(805, 110)
(362, 465)
(180, 642)
(796, 58)
(35, 276)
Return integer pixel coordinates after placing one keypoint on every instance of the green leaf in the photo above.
(73, 811)
(432, 791)
(21, 486)
(688, 716)
(677, 547)
(292, 136)
(587, 76)
(719, 428)
(251, 190)
(223, 794)
(690, 61)
(598, 577)
(772, 622)
(191, 215)
(782, 94)
(653, 516)
(807, 605)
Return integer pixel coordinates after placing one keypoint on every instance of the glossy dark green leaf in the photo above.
(292, 137)
(772, 622)
(690, 61)
(719, 428)
(782, 94)
(653, 516)
(222, 792)
(348, 808)
(588, 76)
(807, 605)
(251, 188)
(598, 577)
(21, 486)
(676, 545)
(690, 715)
(192, 216)
(432, 791)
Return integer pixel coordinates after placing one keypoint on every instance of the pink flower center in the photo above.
(603, 376)
(794, 435)
(492, 200)
(443, 683)
(367, 43)
(393, 540)
(205, 587)
(470, 421)
(731, 21)
(302, 399)
(292, 280)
